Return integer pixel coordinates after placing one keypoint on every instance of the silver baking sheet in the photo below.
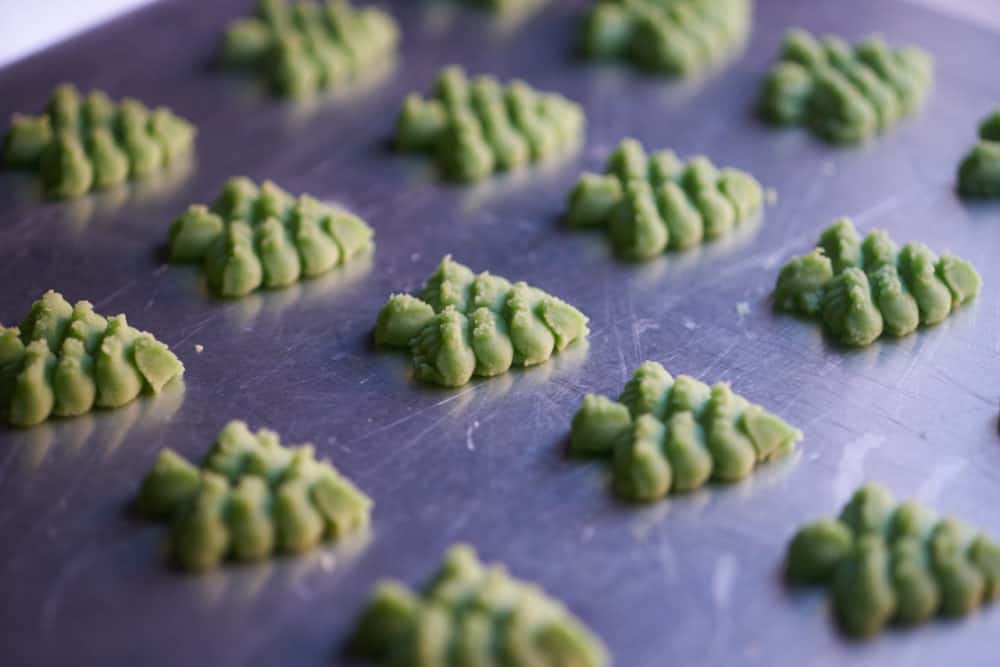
(692, 580)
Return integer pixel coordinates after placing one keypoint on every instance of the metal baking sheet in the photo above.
(692, 580)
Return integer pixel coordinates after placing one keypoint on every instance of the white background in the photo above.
(27, 26)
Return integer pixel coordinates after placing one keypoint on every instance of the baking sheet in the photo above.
(692, 580)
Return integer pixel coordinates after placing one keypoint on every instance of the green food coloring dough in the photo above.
(844, 93)
(64, 360)
(470, 613)
(979, 172)
(262, 237)
(85, 143)
(249, 498)
(311, 46)
(862, 289)
(465, 324)
(678, 37)
(667, 434)
(478, 127)
(658, 202)
(888, 562)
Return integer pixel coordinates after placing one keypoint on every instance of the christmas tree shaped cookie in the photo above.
(475, 128)
(894, 563)
(65, 360)
(249, 498)
(979, 173)
(678, 37)
(844, 93)
(667, 434)
(262, 237)
(862, 289)
(311, 46)
(89, 143)
(465, 324)
(649, 204)
(473, 614)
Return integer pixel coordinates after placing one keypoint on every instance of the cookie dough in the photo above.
(650, 204)
(887, 562)
(844, 93)
(250, 497)
(472, 614)
(91, 143)
(65, 360)
(679, 38)
(262, 237)
(667, 434)
(863, 289)
(465, 324)
(979, 173)
(475, 128)
(311, 46)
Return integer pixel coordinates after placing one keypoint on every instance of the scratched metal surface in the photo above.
(694, 580)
